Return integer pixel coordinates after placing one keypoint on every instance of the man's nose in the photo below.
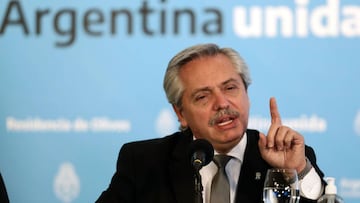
(221, 101)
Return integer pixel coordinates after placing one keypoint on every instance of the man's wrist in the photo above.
(306, 170)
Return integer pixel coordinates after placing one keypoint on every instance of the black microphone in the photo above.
(201, 152)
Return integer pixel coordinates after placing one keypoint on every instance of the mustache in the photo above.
(221, 113)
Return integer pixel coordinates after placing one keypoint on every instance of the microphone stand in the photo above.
(198, 188)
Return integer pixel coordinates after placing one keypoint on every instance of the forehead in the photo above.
(208, 71)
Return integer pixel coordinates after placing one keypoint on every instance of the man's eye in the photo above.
(201, 97)
(232, 87)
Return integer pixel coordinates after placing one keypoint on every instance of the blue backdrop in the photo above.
(80, 78)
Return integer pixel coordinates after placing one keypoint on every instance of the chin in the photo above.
(229, 137)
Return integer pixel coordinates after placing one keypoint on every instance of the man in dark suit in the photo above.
(207, 87)
(3, 193)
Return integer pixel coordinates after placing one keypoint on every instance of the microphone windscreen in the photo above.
(201, 147)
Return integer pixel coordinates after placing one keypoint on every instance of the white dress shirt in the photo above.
(232, 170)
(310, 186)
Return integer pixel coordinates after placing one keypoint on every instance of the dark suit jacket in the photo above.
(159, 171)
(3, 194)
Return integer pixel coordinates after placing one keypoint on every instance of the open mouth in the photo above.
(223, 117)
(224, 121)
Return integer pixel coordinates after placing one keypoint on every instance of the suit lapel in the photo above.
(253, 171)
(181, 171)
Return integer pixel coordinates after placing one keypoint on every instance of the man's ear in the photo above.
(180, 116)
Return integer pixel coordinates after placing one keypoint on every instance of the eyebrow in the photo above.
(209, 89)
(230, 80)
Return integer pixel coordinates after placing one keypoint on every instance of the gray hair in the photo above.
(172, 83)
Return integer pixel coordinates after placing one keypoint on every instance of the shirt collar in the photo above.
(239, 150)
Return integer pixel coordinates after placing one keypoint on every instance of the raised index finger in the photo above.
(274, 112)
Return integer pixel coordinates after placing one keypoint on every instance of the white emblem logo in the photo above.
(66, 183)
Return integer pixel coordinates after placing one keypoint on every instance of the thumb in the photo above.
(262, 141)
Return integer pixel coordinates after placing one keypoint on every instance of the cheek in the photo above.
(244, 102)
(245, 110)
(196, 118)
(246, 106)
